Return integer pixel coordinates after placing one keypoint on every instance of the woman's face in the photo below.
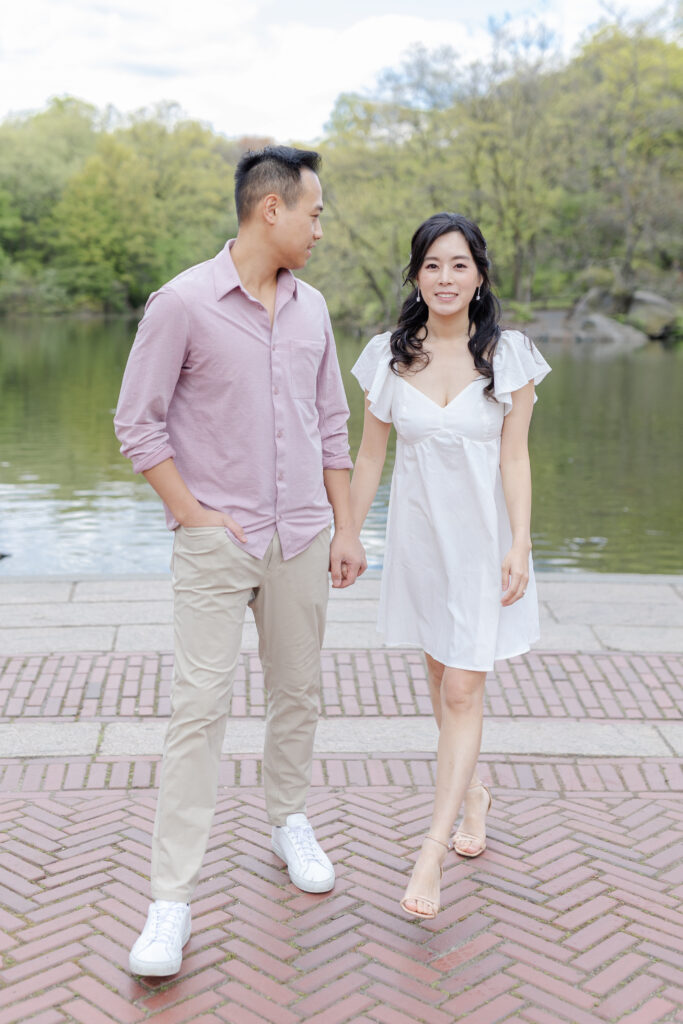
(448, 277)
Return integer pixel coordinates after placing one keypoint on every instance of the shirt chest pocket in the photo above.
(305, 356)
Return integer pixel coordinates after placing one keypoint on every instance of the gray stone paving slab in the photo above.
(579, 613)
(249, 636)
(352, 610)
(246, 737)
(417, 734)
(578, 575)
(367, 587)
(576, 638)
(673, 734)
(134, 739)
(49, 739)
(624, 613)
(581, 739)
(545, 615)
(608, 588)
(143, 588)
(85, 613)
(29, 593)
(649, 639)
(158, 638)
(339, 735)
(144, 638)
(58, 638)
(352, 635)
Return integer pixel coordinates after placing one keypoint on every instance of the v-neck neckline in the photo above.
(436, 404)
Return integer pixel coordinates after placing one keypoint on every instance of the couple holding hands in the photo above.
(233, 407)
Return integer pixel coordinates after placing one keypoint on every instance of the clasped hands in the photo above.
(347, 557)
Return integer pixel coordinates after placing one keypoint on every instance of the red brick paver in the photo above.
(387, 683)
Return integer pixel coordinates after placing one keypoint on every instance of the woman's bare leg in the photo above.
(476, 802)
(434, 675)
(458, 700)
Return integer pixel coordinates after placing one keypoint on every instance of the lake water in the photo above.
(605, 447)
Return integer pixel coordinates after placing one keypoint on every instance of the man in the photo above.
(233, 408)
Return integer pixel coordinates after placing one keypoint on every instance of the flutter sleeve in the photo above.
(372, 372)
(516, 361)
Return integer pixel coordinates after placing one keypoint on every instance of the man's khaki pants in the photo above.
(213, 582)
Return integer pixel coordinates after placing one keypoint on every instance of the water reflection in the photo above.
(607, 485)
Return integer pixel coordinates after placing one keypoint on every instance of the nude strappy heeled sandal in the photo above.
(434, 905)
(461, 839)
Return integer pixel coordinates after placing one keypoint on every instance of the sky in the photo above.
(248, 67)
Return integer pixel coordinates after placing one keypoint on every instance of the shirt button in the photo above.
(276, 391)
(279, 433)
(280, 476)
(273, 348)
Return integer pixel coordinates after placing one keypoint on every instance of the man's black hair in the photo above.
(274, 169)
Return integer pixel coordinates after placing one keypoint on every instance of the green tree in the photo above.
(154, 198)
(107, 229)
(619, 101)
(386, 167)
(192, 173)
(506, 139)
(38, 156)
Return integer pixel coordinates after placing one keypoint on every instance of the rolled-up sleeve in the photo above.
(154, 365)
(333, 410)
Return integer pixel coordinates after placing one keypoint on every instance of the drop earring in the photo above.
(478, 295)
(419, 297)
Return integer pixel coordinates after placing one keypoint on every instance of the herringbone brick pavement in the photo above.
(573, 915)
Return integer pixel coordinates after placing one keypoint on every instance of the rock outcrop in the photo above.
(652, 314)
(606, 323)
(589, 333)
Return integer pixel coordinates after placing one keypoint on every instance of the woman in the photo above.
(458, 579)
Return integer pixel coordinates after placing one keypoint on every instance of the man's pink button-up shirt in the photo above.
(252, 414)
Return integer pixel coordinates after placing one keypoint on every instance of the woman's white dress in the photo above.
(448, 528)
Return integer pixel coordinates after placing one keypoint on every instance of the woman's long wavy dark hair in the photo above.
(484, 314)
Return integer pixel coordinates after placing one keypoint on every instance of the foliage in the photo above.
(117, 208)
(621, 99)
(572, 169)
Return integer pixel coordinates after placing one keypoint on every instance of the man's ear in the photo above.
(269, 205)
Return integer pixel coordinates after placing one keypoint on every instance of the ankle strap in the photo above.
(446, 846)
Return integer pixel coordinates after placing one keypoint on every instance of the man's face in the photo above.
(298, 229)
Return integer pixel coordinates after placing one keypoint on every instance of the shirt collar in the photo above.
(226, 278)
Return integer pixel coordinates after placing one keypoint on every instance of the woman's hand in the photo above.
(515, 573)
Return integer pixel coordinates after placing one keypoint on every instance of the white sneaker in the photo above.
(159, 950)
(309, 867)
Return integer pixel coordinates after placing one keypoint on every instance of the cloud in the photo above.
(148, 70)
(247, 68)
